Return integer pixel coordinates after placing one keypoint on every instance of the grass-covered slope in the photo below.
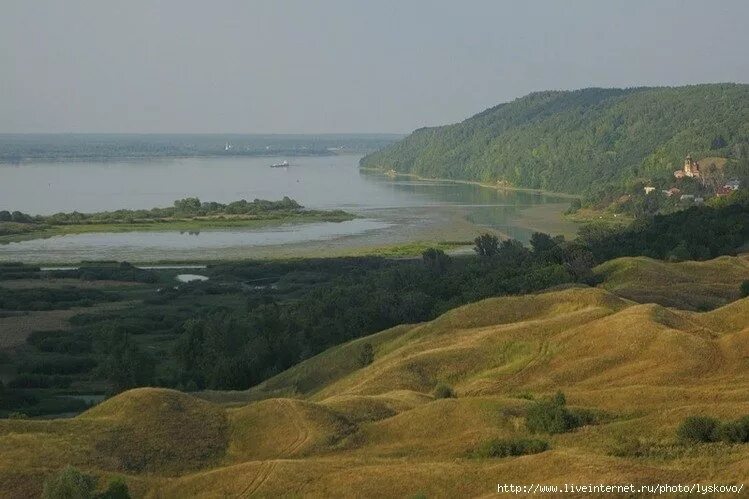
(686, 285)
(370, 424)
(579, 140)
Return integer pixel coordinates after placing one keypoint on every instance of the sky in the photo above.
(337, 66)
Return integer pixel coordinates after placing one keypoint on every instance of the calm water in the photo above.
(392, 211)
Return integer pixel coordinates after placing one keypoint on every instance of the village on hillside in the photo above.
(708, 181)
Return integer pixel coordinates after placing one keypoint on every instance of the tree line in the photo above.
(188, 207)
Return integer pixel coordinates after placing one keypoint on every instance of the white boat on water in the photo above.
(282, 164)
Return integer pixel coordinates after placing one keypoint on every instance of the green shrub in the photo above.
(366, 355)
(443, 391)
(69, 484)
(435, 259)
(698, 429)
(585, 417)
(486, 245)
(744, 289)
(744, 421)
(705, 429)
(117, 489)
(511, 447)
(559, 399)
(525, 395)
(550, 415)
(628, 446)
(732, 432)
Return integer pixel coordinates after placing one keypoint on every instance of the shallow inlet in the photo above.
(133, 246)
(191, 277)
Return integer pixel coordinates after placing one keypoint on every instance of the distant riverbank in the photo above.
(20, 149)
(497, 187)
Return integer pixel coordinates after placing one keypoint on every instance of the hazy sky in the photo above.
(339, 66)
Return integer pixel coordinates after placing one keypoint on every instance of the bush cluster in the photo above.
(511, 447)
(70, 483)
(551, 415)
(744, 289)
(443, 391)
(123, 271)
(366, 354)
(707, 429)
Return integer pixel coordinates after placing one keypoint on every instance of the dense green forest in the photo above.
(582, 141)
(697, 233)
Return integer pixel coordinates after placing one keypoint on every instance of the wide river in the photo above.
(391, 211)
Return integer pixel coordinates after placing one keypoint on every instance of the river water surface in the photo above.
(391, 211)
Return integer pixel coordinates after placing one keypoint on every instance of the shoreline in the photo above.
(476, 182)
(5, 162)
(387, 251)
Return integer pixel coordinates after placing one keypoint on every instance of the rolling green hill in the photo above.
(579, 141)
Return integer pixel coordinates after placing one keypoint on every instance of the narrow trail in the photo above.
(265, 470)
(301, 428)
(541, 354)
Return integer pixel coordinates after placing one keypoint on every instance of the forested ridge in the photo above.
(580, 141)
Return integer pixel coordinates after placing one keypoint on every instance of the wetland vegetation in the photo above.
(185, 214)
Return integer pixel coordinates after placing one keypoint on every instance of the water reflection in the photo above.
(123, 245)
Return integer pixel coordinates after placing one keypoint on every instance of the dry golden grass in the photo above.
(348, 430)
(685, 285)
(280, 428)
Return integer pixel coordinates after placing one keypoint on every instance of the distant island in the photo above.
(186, 214)
(598, 143)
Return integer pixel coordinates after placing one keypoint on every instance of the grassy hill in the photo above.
(344, 423)
(576, 141)
(687, 285)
